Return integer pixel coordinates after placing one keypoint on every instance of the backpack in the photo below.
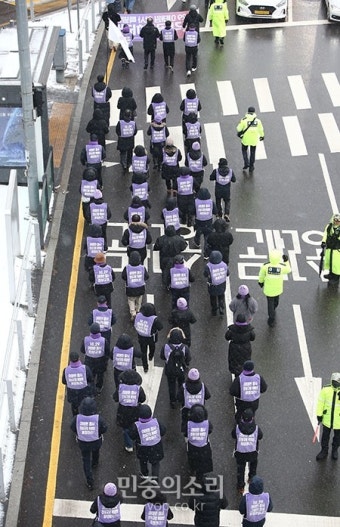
(176, 366)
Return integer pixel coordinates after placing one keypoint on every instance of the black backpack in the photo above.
(176, 363)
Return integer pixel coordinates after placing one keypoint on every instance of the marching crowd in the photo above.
(188, 204)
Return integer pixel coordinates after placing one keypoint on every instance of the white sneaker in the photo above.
(188, 73)
(194, 69)
(128, 448)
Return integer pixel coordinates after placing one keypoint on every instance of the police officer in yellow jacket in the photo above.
(331, 245)
(250, 131)
(271, 280)
(328, 413)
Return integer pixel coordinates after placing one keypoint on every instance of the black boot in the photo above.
(335, 453)
(322, 454)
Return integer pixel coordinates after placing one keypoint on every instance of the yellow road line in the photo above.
(65, 350)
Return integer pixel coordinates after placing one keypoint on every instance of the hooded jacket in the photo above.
(220, 239)
(148, 310)
(204, 194)
(243, 305)
(331, 237)
(88, 407)
(169, 171)
(169, 245)
(126, 102)
(240, 337)
(328, 407)
(272, 274)
(207, 505)
(254, 132)
(149, 33)
(136, 227)
(98, 125)
(247, 428)
(255, 488)
(134, 260)
(108, 502)
(222, 191)
(127, 415)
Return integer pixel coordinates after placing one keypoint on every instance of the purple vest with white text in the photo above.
(171, 217)
(250, 387)
(246, 443)
(128, 394)
(193, 130)
(76, 377)
(103, 318)
(204, 209)
(137, 240)
(127, 129)
(143, 325)
(257, 506)
(159, 110)
(195, 165)
(102, 275)
(139, 210)
(99, 96)
(185, 185)
(193, 398)
(135, 275)
(122, 359)
(98, 213)
(158, 136)
(179, 277)
(88, 188)
(223, 180)
(107, 514)
(87, 427)
(149, 432)
(140, 190)
(94, 347)
(94, 246)
(190, 106)
(156, 514)
(93, 153)
(139, 164)
(218, 273)
(198, 433)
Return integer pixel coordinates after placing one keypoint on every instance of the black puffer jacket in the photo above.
(126, 102)
(207, 508)
(240, 337)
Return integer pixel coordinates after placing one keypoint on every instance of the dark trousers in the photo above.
(191, 57)
(150, 52)
(272, 303)
(144, 350)
(173, 385)
(326, 433)
(249, 162)
(219, 205)
(241, 467)
(154, 468)
(205, 230)
(217, 302)
(169, 55)
(90, 459)
(126, 158)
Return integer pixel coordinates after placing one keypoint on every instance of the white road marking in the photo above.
(333, 87)
(331, 131)
(114, 112)
(299, 92)
(215, 144)
(294, 136)
(263, 94)
(271, 25)
(184, 516)
(328, 184)
(227, 98)
(177, 135)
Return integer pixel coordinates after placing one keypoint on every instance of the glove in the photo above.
(210, 23)
(260, 284)
(319, 418)
(261, 138)
(323, 245)
(284, 258)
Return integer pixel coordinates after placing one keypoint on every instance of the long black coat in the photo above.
(207, 508)
(152, 454)
(98, 125)
(240, 346)
(200, 458)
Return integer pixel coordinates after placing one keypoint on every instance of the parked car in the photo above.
(272, 9)
(333, 10)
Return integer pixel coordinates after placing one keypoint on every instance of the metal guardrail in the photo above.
(83, 29)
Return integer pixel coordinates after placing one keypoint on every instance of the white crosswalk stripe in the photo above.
(331, 131)
(264, 96)
(299, 92)
(177, 135)
(214, 141)
(227, 98)
(333, 87)
(294, 136)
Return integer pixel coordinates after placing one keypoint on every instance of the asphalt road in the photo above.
(287, 201)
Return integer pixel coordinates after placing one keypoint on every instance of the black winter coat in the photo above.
(98, 125)
(193, 387)
(125, 143)
(240, 346)
(127, 415)
(207, 508)
(149, 33)
(152, 454)
(220, 241)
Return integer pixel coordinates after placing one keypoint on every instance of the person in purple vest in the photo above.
(158, 109)
(126, 130)
(123, 356)
(78, 379)
(97, 351)
(179, 279)
(198, 446)
(127, 102)
(177, 358)
(216, 272)
(147, 432)
(128, 35)
(104, 316)
(94, 244)
(89, 428)
(169, 245)
(223, 176)
(192, 391)
(140, 164)
(191, 130)
(99, 213)
(243, 303)
(182, 317)
(130, 395)
(247, 436)
(89, 184)
(205, 208)
(156, 511)
(191, 40)
(240, 334)
(98, 126)
(207, 504)
(158, 132)
(255, 504)
(170, 166)
(140, 188)
(184, 186)
(147, 325)
(106, 507)
(136, 207)
(92, 156)
(196, 161)
(136, 237)
(102, 277)
(135, 275)
(102, 94)
(168, 35)
(219, 239)
(247, 389)
(170, 214)
(190, 104)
